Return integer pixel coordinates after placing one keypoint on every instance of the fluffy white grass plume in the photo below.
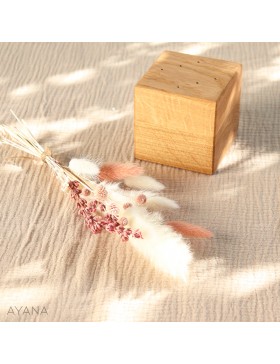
(161, 203)
(143, 183)
(130, 212)
(161, 246)
(84, 167)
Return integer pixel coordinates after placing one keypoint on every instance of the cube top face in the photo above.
(189, 76)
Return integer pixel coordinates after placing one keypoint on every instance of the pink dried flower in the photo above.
(127, 205)
(126, 234)
(74, 184)
(101, 193)
(137, 234)
(93, 205)
(96, 221)
(110, 227)
(114, 210)
(125, 237)
(81, 203)
(123, 221)
(86, 192)
(120, 229)
(141, 199)
(102, 207)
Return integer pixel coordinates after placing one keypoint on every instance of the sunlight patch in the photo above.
(72, 78)
(24, 295)
(70, 125)
(250, 280)
(25, 90)
(32, 269)
(197, 49)
(131, 309)
(12, 168)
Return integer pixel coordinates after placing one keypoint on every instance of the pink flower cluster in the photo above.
(96, 218)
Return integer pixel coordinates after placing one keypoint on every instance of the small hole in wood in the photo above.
(178, 87)
(198, 61)
(197, 82)
(180, 65)
(215, 78)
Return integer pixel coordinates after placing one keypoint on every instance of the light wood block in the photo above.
(186, 111)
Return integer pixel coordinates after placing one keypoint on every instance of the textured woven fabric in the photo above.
(78, 100)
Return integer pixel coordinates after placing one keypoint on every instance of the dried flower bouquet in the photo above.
(115, 197)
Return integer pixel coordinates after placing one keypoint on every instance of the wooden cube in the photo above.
(186, 111)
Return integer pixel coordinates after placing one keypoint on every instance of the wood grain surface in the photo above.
(78, 100)
(186, 111)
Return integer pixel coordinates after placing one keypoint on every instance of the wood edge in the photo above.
(214, 141)
(238, 72)
(233, 63)
(170, 165)
(194, 98)
(234, 78)
(134, 122)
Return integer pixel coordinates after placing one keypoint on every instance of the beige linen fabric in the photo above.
(78, 100)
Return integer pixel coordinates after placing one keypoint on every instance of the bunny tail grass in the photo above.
(119, 171)
(144, 183)
(189, 230)
(160, 203)
(84, 167)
